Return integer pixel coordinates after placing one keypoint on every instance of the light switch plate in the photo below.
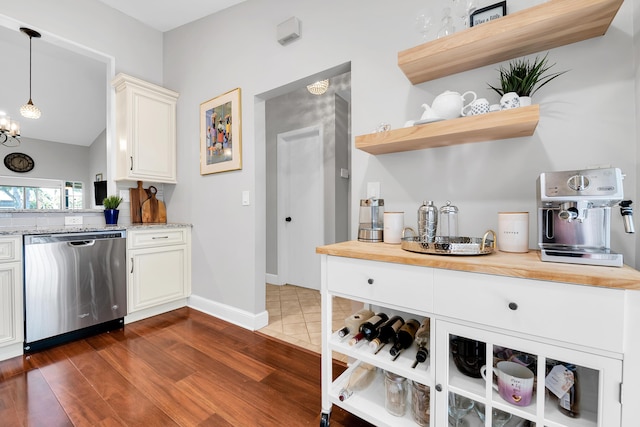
(245, 198)
(373, 190)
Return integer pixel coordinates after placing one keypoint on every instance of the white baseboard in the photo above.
(234, 315)
(272, 279)
(154, 311)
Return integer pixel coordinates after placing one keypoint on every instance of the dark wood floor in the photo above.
(181, 368)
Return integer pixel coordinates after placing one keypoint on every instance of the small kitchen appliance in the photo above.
(371, 226)
(574, 215)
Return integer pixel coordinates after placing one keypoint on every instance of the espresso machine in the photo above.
(574, 215)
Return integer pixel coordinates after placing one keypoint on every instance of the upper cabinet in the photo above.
(145, 131)
(546, 26)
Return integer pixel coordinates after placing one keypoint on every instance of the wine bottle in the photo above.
(404, 337)
(569, 404)
(360, 378)
(353, 322)
(387, 333)
(422, 339)
(369, 329)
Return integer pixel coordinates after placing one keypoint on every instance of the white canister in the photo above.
(513, 231)
(393, 225)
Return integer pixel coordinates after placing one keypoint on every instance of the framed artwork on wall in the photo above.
(220, 139)
(489, 13)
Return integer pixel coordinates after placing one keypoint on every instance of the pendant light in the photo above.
(29, 110)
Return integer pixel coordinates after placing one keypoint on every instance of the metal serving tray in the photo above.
(452, 245)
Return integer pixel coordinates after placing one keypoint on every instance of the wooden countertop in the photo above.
(526, 265)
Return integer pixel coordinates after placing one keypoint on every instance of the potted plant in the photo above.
(111, 204)
(525, 77)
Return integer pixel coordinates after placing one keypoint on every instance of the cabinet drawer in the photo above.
(10, 249)
(152, 238)
(403, 286)
(583, 315)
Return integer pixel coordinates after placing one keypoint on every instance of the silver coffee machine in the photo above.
(574, 215)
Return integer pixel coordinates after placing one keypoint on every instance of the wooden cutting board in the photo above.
(154, 210)
(137, 196)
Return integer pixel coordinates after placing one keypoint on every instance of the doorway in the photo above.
(300, 206)
(291, 114)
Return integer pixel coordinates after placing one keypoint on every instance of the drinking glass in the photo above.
(498, 418)
(463, 9)
(446, 25)
(459, 407)
(424, 24)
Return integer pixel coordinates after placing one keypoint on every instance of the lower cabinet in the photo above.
(11, 310)
(502, 361)
(159, 265)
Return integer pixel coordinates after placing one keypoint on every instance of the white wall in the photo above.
(587, 118)
(52, 160)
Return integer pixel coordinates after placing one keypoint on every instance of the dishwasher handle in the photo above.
(79, 243)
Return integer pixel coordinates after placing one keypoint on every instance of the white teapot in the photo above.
(447, 105)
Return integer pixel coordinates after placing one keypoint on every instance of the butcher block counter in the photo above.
(524, 265)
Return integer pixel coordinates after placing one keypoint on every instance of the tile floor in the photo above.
(295, 315)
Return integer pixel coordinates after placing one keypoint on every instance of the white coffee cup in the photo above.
(477, 107)
(509, 100)
(393, 226)
(513, 231)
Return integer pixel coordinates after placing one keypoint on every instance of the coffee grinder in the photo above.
(371, 224)
(574, 215)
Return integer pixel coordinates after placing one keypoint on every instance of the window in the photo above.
(31, 193)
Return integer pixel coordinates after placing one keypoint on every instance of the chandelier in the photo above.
(29, 110)
(9, 131)
(318, 88)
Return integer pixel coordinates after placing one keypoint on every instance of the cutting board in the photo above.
(137, 196)
(153, 210)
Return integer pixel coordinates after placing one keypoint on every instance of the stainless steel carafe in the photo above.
(427, 221)
(371, 226)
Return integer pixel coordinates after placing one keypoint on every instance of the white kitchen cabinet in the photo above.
(159, 265)
(11, 310)
(548, 322)
(145, 131)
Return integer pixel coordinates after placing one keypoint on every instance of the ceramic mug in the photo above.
(509, 100)
(479, 106)
(515, 382)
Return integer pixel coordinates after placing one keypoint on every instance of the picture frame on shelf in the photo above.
(489, 13)
(220, 137)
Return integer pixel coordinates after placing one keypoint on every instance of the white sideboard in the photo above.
(500, 301)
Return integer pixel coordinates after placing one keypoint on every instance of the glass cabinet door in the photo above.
(492, 379)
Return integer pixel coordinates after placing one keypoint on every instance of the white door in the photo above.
(300, 206)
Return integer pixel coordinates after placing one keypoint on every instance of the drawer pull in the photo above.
(159, 237)
(513, 306)
(438, 387)
(370, 281)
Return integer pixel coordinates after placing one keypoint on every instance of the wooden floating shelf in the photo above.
(513, 123)
(543, 27)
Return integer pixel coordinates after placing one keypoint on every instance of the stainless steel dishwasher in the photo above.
(75, 286)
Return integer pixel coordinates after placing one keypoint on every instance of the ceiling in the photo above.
(165, 15)
(69, 88)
